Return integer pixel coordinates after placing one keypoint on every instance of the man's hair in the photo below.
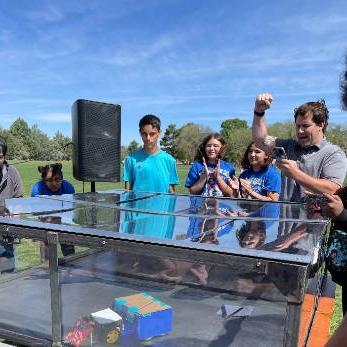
(318, 109)
(55, 168)
(245, 164)
(3, 146)
(201, 152)
(343, 86)
(150, 119)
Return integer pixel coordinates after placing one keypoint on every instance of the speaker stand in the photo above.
(92, 187)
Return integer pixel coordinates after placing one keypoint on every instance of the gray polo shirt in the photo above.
(323, 160)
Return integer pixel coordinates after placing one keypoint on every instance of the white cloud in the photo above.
(8, 118)
(54, 118)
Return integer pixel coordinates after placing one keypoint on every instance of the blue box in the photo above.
(143, 315)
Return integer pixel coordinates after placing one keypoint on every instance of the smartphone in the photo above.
(279, 153)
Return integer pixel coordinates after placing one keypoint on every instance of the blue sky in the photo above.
(186, 61)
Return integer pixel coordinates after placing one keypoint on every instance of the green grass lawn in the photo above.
(28, 251)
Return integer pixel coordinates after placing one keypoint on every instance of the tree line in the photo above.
(30, 143)
(183, 142)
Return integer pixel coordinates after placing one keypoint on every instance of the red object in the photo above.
(80, 333)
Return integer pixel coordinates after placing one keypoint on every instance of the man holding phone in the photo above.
(312, 164)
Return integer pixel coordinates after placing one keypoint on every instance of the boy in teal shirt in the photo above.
(150, 169)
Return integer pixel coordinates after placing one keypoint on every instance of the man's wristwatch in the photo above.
(259, 114)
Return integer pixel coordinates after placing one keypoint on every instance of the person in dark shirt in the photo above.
(336, 207)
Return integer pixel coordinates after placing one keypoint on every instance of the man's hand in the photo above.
(334, 206)
(263, 102)
(289, 168)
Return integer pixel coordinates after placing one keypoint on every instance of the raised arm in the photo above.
(259, 129)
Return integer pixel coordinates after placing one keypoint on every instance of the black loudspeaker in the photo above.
(96, 131)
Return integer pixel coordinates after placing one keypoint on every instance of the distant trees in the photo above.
(30, 143)
(189, 139)
(183, 142)
(169, 141)
(133, 146)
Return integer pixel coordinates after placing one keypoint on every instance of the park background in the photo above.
(30, 147)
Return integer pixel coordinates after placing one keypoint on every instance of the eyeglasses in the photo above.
(53, 179)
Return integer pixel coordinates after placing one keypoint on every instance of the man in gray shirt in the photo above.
(312, 164)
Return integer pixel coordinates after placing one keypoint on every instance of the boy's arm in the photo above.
(128, 186)
(174, 176)
(127, 174)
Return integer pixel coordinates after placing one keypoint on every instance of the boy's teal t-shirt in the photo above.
(150, 172)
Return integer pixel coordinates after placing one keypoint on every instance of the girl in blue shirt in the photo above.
(259, 180)
(52, 182)
(209, 175)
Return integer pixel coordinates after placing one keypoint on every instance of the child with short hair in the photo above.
(150, 168)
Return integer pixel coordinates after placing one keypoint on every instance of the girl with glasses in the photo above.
(52, 182)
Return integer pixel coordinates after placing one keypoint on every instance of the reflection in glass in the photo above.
(152, 225)
(7, 251)
(207, 230)
(65, 248)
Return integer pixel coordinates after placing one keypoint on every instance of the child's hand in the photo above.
(207, 173)
(234, 183)
(217, 169)
(246, 185)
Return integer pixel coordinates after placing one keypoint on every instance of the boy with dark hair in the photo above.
(150, 169)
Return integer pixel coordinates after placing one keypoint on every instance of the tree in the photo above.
(123, 152)
(337, 135)
(189, 138)
(232, 124)
(283, 130)
(133, 146)
(62, 147)
(19, 139)
(169, 140)
(236, 144)
(39, 145)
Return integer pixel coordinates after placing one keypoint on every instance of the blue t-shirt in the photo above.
(211, 187)
(40, 188)
(150, 172)
(263, 181)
